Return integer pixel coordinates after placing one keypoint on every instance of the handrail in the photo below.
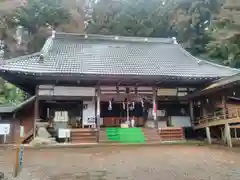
(230, 113)
(26, 136)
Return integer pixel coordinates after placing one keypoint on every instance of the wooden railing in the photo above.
(218, 115)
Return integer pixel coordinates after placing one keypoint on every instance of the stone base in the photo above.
(43, 133)
(150, 124)
(42, 141)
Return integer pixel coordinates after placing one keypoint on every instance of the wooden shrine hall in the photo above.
(88, 83)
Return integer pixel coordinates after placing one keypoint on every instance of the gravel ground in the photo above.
(126, 163)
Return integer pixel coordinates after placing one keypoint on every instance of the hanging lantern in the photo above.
(110, 105)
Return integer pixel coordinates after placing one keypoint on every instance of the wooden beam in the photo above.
(224, 106)
(154, 110)
(234, 126)
(208, 133)
(191, 111)
(228, 135)
(36, 112)
(98, 94)
(217, 123)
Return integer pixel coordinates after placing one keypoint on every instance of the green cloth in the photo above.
(125, 135)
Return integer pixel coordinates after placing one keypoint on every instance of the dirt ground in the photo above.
(126, 163)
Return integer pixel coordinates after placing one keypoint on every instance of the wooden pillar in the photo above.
(191, 112)
(98, 114)
(235, 132)
(154, 110)
(208, 133)
(36, 112)
(228, 135)
(223, 135)
(224, 106)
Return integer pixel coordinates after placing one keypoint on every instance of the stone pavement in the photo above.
(127, 163)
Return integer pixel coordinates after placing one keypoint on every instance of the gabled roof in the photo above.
(109, 55)
(218, 85)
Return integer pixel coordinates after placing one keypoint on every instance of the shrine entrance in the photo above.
(121, 109)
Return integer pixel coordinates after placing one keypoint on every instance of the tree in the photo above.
(35, 17)
(9, 94)
(191, 20)
(225, 34)
(40, 13)
(184, 19)
(132, 18)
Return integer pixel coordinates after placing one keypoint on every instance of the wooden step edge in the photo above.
(171, 133)
(83, 139)
(171, 137)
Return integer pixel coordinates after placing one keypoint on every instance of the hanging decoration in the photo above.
(123, 105)
(154, 110)
(132, 106)
(183, 112)
(142, 103)
(110, 106)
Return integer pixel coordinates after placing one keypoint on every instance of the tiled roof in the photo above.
(14, 108)
(222, 83)
(109, 55)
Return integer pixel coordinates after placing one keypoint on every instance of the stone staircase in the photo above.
(83, 136)
(103, 136)
(171, 134)
(151, 135)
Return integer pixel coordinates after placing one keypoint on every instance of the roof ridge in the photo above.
(19, 58)
(207, 62)
(115, 37)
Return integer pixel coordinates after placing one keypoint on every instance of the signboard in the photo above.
(50, 90)
(166, 92)
(64, 133)
(21, 131)
(4, 129)
(20, 157)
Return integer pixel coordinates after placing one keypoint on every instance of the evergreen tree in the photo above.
(132, 18)
(225, 32)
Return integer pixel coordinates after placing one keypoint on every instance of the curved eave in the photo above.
(91, 76)
(28, 81)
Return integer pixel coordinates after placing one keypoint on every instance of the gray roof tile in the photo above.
(96, 54)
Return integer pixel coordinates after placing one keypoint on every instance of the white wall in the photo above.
(89, 112)
(180, 121)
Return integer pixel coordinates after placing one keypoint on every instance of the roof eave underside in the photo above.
(96, 76)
